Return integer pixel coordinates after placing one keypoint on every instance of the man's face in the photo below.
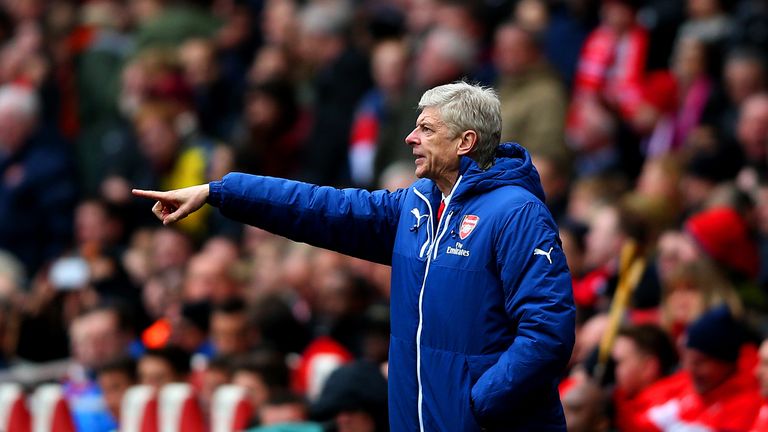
(229, 333)
(706, 372)
(258, 391)
(155, 371)
(433, 146)
(603, 240)
(634, 369)
(96, 339)
(762, 369)
(354, 421)
(113, 385)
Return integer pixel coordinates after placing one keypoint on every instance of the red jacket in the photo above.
(611, 67)
(732, 406)
(761, 422)
(631, 412)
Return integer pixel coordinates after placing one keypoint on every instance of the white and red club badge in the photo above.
(468, 225)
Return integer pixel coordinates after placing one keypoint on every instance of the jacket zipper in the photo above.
(433, 246)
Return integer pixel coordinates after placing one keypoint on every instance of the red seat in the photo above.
(231, 409)
(178, 409)
(50, 411)
(138, 410)
(14, 415)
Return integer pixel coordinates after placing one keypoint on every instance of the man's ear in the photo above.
(467, 144)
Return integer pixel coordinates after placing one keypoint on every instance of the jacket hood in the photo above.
(512, 166)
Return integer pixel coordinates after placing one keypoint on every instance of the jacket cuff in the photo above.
(214, 193)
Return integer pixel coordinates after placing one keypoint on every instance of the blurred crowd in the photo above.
(647, 121)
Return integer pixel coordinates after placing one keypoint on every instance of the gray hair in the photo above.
(464, 106)
(452, 46)
(326, 18)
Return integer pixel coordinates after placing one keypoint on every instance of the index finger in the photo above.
(155, 195)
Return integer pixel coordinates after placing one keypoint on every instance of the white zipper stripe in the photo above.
(429, 222)
(433, 245)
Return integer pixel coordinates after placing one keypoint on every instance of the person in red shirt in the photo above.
(761, 371)
(643, 355)
(716, 393)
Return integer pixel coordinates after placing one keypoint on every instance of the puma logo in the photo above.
(417, 214)
(538, 251)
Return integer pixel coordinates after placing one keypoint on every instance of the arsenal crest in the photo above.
(467, 225)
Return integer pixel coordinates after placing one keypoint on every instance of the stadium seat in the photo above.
(50, 411)
(14, 415)
(178, 409)
(231, 409)
(138, 410)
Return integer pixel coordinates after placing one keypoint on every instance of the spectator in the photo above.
(160, 366)
(262, 373)
(602, 73)
(369, 153)
(752, 136)
(12, 300)
(213, 97)
(191, 328)
(210, 277)
(717, 394)
(114, 379)
(761, 423)
(533, 98)
(708, 22)
(725, 236)
(217, 372)
(555, 173)
(643, 355)
(355, 396)
(585, 407)
(692, 288)
(445, 56)
(744, 74)
(37, 196)
(99, 337)
(274, 131)
(675, 102)
(283, 407)
(342, 77)
(231, 333)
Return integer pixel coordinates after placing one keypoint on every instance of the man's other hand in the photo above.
(174, 205)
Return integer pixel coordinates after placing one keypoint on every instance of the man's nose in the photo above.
(411, 138)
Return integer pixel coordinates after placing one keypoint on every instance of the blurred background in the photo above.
(647, 121)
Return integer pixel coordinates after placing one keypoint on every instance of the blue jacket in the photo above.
(482, 311)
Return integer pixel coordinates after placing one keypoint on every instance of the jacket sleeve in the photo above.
(539, 303)
(355, 222)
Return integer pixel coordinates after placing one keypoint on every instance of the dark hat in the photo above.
(717, 334)
(724, 235)
(197, 314)
(358, 386)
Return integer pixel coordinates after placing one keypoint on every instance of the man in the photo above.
(761, 371)
(535, 100)
(230, 331)
(98, 337)
(160, 366)
(715, 393)
(643, 355)
(482, 315)
(38, 190)
(114, 379)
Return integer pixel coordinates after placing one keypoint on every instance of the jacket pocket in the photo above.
(478, 364)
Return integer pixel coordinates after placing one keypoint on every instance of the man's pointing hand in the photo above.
(174, 205)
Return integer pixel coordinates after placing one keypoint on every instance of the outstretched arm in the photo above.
(174, 205)
(355, 222)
